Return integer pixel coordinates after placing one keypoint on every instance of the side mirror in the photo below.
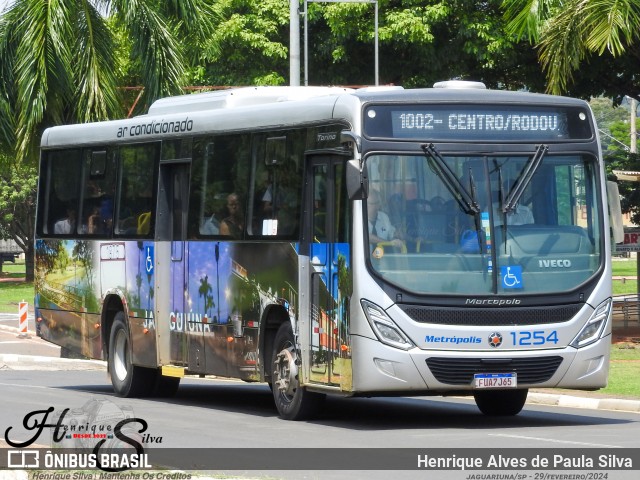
(347, 136)
(357, 181)
(615, 213)
(357, 184)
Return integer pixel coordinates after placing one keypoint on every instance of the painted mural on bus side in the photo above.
(219, 294)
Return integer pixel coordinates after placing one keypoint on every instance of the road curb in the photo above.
(7, 328)
(572, 401)
(24, 362)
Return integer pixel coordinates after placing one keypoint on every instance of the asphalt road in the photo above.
(219, 414)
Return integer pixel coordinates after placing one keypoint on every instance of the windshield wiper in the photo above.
(467, 202)
(524, 179)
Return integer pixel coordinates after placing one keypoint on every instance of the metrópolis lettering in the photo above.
(454, 339)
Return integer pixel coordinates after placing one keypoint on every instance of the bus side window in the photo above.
(218, 197)
(62, 192)
(98, 193)
(136, 199)
(277, 184)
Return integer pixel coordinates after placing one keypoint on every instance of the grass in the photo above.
(625, 268)
(624, 371)
(12, 293)
(13, 290)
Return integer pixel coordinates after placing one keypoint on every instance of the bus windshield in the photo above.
(484, 224)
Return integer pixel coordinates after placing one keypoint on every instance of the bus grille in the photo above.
(492, 316)
(459, 371)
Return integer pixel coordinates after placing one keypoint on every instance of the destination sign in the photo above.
(490, 123)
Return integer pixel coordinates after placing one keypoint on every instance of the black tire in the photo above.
(127, 379)
(501, 402)
(165, 387)
(292, 401)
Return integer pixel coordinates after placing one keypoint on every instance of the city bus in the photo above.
(381, 241)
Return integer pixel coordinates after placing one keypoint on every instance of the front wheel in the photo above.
(127, 379)
(165, 387)
(501, 402)
(292, 401)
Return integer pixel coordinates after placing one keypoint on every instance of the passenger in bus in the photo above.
(93, 222)
(233, 225)
(521, 215)
(210, 225)
(380, 227)
(67, 224)
(105, 219)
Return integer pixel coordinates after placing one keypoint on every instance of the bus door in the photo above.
(173, 303)
(330, 272)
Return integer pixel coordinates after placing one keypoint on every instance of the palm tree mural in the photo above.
(209, 304)
(204, 291)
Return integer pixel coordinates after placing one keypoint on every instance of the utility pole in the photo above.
(294, 43)
(634, 135)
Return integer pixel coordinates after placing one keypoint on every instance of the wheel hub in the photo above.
(286, 371)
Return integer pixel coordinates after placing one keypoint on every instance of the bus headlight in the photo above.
(385, 328)
(594, 327)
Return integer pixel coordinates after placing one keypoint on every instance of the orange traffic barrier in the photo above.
(22, 319)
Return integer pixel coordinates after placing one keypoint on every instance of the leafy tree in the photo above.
(248, 46)
(17, 206)
(420, 42)
(613, 123)
(586, 47)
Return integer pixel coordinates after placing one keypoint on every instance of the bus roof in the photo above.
(464, 95)
(239, 97)
(255, 107)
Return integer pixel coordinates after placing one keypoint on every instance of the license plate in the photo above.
(495, 380)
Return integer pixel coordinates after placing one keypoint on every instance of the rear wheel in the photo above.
(127, 379)
(292, 401)
(501, 402)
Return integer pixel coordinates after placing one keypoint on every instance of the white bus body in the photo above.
(333, 241)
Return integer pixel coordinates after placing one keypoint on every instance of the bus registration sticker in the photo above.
(495, 380)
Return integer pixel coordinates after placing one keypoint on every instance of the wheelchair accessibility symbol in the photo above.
(148, 263)
(511, 276)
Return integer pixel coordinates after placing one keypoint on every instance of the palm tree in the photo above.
(59, 64)
(58, 59)
(568, 31)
